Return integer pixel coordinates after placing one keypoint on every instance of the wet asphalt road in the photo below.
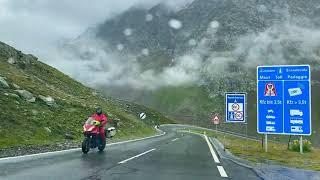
(172, 156)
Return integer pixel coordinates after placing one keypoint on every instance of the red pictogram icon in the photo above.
(270, 90)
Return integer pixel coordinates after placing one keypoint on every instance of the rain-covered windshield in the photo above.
(174, 89)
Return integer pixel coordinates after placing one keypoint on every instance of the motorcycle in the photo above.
(92, 138)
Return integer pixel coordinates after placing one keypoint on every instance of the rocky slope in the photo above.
(42, 106)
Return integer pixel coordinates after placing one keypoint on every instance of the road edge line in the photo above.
(213, 153)
(236, 160)
(29, 156)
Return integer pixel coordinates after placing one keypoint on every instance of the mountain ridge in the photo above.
(203, 50)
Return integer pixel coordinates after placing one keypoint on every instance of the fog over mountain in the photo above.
(148, 48)
(147, 45)
(176, 56)
(37, 26)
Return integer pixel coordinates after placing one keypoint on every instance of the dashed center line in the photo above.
(124, 161)
(174, 139)
(222, 171)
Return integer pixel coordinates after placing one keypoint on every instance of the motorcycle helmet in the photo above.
(99, 110)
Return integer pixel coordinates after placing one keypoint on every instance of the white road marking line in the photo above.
(124, 161)
(222, 171)
(215, 157)
(174, 139)
(53, 153)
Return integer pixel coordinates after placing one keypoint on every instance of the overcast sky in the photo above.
(36, 25)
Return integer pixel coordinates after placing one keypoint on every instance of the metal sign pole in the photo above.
(266, 142)
(301, 145)
(289, 142)
(216, 135)
(224, 137)
(247, 135)
(246, 122)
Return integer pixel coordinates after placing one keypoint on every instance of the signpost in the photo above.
(236, 107)
(284, 100)
(215, 119)
(142, 115)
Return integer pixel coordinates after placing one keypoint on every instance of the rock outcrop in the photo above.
(16, 86)
(11, 60)
(26, 95)
(3, 82)
(48, 100)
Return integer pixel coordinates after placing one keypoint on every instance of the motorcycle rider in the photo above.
(102, 118)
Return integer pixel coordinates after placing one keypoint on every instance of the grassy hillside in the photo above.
(187, 103)
(28, 123)
(192, 105)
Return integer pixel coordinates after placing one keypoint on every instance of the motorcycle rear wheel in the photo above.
(102, 145)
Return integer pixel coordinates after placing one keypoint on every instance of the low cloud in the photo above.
(38, 26)
(286, 43)
(87, 61)
(35, 26)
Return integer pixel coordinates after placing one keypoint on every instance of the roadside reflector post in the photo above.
(266, 142)
(301, 145)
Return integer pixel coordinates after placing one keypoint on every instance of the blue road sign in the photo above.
(284, 100)
(235, 107)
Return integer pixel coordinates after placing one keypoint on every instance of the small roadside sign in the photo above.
(142, 115)
(235, 107)
(216, 119)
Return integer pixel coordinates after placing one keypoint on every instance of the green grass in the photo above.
(24, 123)
(277, 152)
(189, 104)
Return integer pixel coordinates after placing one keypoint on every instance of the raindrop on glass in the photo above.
(127, 32)
(145, 52)
(149, 17)
(120, 47)
(214, 24)
(262, 9)
(175, 24)
(192, 42)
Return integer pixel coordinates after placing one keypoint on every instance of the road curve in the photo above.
(174, 155)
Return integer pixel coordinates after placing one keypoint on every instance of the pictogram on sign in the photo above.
(270, 90)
